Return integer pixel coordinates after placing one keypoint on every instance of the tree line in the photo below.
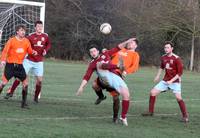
(73, 25)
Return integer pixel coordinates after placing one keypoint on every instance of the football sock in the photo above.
(24, 94)
(125, 106)
(37, 90)
(115, 106)
(99, 93)
(14, 86)
(152, 100)
(183, 108)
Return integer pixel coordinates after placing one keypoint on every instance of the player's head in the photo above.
(21, 31)
(94, 52)
(132, 45)
(39, 26)
(168, 47)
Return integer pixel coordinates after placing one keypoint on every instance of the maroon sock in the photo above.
(24, 94)
(183, 108)
(37, 90)
(116, 103)
(152, 100)
(14, 86)
(125, 106)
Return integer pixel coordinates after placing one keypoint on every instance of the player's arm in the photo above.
(179, 71)
(123, 44)
(30, 51)
(108, 66)
(47, 47)
(86, 78)
(5, 52)
(81, 87)
(157, 77)
(162, 66)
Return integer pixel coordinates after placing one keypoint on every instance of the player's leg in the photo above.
(38, 71)
(7, 75)
(116, 103)
(125, 104)
(185, 116)
(117, 83)
(12, 89)
(98, 90)
(3, 83)
(20, 73)
(27, 66)
(176, 88)
(24, 93)
(38, 87)
(161, 86)
(120, 86)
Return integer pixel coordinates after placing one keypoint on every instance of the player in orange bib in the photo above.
(12, 57)
(130, 59)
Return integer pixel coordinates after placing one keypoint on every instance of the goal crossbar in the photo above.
(40, 4)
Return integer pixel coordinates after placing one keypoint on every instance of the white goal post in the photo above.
(15, 12)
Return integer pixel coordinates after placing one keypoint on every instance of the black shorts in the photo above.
(14, 70)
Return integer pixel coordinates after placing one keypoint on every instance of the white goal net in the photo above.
(15, 12)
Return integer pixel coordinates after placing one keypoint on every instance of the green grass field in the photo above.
(62, 114)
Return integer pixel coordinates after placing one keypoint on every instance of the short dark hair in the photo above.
(169, 42)
(21, 26)
(38, 22)
(94, 46)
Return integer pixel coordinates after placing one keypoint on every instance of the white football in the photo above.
(105, 28)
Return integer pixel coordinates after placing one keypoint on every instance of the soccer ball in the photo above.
(105, 28)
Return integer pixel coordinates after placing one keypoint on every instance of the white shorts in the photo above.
(112, 80)
(35, 67)
(163, 86)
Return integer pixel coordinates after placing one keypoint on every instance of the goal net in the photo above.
(13, 13)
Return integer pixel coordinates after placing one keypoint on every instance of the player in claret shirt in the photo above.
(40, 43)
(101, 63)
(173, 67)
(130, 60)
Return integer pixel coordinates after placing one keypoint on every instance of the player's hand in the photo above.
(132, 39)
(79, 92)
(169, 82)
(129, 40)
(34, 53)
(156, 79)
(44, 52)
(3, 63)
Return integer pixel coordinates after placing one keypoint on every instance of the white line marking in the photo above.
(79, 99)
(75, 118)
(84, 118)
(134, 101)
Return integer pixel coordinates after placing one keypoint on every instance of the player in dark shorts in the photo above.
(12, 57)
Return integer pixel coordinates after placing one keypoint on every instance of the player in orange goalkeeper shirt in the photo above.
(130, 60)
(12, 57)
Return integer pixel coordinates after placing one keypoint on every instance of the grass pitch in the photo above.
(61, 114)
